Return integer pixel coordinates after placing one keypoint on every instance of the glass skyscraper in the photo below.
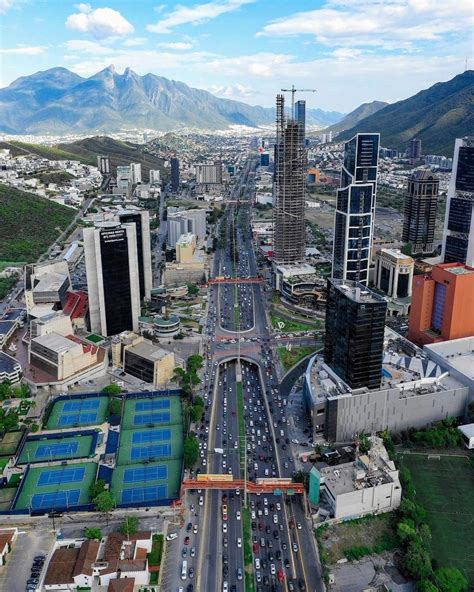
(355, 209)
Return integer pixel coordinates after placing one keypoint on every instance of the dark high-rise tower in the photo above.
(112, 277)
(421, 200)
(355, 209)
(458, 238)
(355, 324)
(174, 175)
(141, 219)
(414, 150)
(300, 114)
(290, 183)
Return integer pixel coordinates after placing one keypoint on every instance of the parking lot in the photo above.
(28, 544)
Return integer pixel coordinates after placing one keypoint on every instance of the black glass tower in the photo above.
(141, 220)
(174, 175)
(355, 324)
(421, 200)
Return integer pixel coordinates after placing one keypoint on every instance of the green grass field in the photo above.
(445, 488)
(292, 357)
(172, 482)
(96, 416)
(127, 444)
(130, 413)
(30, 486)
(30, 452)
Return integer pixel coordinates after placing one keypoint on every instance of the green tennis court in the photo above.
(150, 444)
(77, 412)
(9, 443)
(141, 483)
(50, 449)
(56, 487)
(152, 412)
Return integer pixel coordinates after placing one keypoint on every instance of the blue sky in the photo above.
(352, 51)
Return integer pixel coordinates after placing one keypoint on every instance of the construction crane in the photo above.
(293, 90)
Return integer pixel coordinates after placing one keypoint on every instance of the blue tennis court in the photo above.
(147, 452)
(144, 494)
(77, 418)
(55, 499)
(152, 405)
(164, 417)
(55, 450)
(64, 476)
(151, 436)
(81, 405)
(138, 474)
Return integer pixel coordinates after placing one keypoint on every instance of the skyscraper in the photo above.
(421, 200)
(112, 277)
(458, 237)
(103, 164)
(290, 183)
(174, 175)
(355, 325)
(135, 173)
(141, 219)
(414, 150)
(355, 209)
(300, 114)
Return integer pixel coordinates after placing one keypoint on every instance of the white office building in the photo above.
(155, 178)
(135, 173)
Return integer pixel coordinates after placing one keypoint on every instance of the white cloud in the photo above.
(99, 22)
(135, 41)
(5, 5)
(178, 45)
(232, 91)
(23, 50)
(85, 46)
(389, 24)
(195, 15)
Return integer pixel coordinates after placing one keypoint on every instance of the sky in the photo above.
(350, 51)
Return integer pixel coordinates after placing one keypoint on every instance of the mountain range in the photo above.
(437, 115)
(352, 118)
(57, 101)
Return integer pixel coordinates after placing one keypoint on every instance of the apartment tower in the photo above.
(421, 201)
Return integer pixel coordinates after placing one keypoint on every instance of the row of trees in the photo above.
(188, 378)
(8, 391)
(129, 527)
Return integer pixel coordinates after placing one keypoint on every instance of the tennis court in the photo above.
(138, 484)
(68, 413)
(9, 443)
(57, 487)
(53, 449)
(150, 445)
(152, 412)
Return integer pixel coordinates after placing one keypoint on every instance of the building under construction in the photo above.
(289, 185)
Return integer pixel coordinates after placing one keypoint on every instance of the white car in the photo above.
(224, 527)
(275, 518)
(238, 515)
(239, 543)
(201, 500)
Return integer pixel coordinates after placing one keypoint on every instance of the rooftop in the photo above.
(357, 291)
(6, 326)
(455, 353)
(8, 364)
(396, 254)
(186, 239)
(148, 351)
(296, 269)
(467, 430)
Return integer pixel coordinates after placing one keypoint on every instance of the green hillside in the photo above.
(121, 153)
(87, 150)
(438, 115)
(30, 224)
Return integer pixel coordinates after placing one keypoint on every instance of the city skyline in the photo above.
(399, 48)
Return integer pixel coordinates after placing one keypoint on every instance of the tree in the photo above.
(104, 503)
(195, 412)
(93, 533)
(406, 530)
(115, 406)
(111, 389)
(130, 526)
(426, 586)
(96, 488)
(6, 390)
(411, 509)
(194, 363)
(191, 451)
(417, 561)
(450, 579)
(193, 290)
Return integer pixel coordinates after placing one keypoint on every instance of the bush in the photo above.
(191, 451)
(93, 533)
(450, 579)
(357, 552)
(417, 562)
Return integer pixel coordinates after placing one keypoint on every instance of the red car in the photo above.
(186, 541)
(260, 526)
(280, 575)
(256, 548)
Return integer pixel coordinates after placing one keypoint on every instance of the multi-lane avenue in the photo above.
(243, 434)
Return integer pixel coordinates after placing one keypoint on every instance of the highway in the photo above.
(284, 555)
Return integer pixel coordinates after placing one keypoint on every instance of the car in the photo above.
(192, 553)
(301, 585)
(275, 518)
(237, 515)
(195, 529)
(201, 500)
(225, 542)
(255, 548)
(184, 552)
(172, 536)
(190, 588)
(191, 572)
(39, 558)
(295, 548)
(287, 563)
(186, 540)
(189, 527)
(239, 574)
(224, 527)
(272, 569)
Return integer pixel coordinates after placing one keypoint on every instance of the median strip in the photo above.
(248, 558)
